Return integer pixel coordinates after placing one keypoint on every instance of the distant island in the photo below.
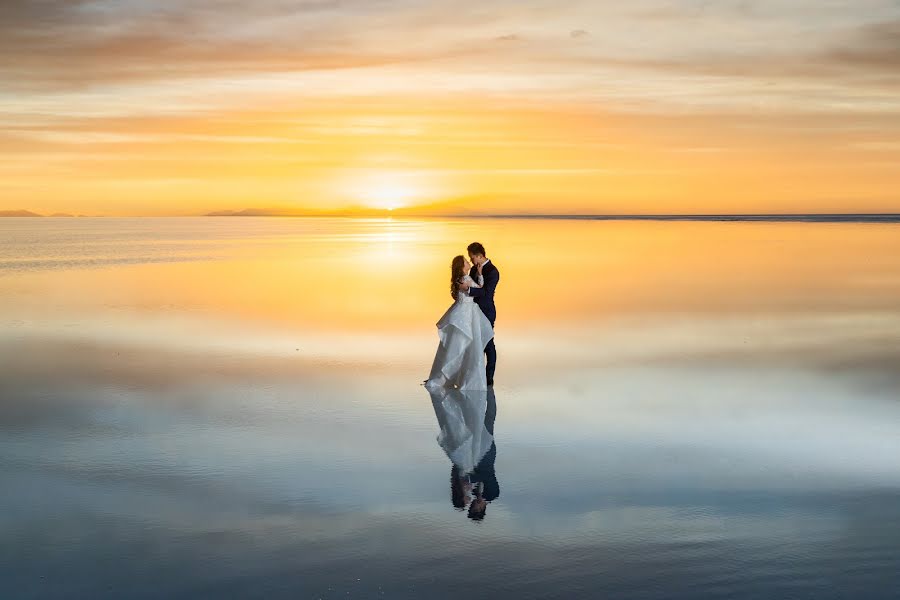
(258, 212)
(18, 213)
(28, 213)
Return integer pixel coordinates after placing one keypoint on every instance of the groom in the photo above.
(484, 298)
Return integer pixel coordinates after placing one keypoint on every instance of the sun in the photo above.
(389, 196)
(388, 191)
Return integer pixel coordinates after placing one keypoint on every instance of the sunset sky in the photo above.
(184, 107)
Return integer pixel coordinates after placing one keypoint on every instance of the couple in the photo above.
(466, 330)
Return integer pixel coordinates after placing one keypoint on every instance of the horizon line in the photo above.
(400, 214)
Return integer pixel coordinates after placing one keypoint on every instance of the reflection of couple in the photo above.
(466, 419)
(466, 330)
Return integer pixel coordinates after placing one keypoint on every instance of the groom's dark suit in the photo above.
(484, 298)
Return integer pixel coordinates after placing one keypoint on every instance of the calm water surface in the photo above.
(230, 407)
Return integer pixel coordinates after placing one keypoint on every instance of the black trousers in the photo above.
(491, 351)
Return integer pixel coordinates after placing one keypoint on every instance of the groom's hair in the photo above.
(476, 248)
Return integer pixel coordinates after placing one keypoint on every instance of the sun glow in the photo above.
(388, 191)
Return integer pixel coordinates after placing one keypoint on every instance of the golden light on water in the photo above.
(391, 274)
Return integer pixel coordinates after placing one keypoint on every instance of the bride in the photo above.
(464, 331)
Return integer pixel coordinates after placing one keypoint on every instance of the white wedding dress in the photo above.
(464, 436)
(464, 331)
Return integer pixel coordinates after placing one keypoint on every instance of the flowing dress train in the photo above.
(463, 332)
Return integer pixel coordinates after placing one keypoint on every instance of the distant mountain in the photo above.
(28, 213)
(249, 212)
(18, 213)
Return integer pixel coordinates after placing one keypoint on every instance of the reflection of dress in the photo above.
(464, 435)
(464, 331)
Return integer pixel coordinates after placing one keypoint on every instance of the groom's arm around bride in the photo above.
(484, 297)
(491, 279)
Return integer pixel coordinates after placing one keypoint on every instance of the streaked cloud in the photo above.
(58, 46)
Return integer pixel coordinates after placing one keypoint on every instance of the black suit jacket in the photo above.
(484, 296)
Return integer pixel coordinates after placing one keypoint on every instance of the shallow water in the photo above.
(231, 407)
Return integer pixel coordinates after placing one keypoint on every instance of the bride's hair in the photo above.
(456, 274)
